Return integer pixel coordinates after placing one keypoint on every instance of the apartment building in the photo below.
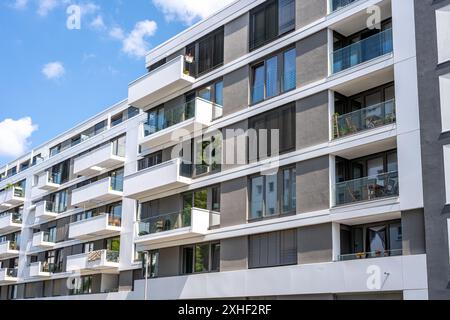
(282, 149)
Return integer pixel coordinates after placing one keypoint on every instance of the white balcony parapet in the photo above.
(96, 161)
(8, 275)
(43, 240)
(176, 226)
(160, 82)
(102, 225)
(41, 270)
(10, 222)
(155, 179)
(49, 181)
(11, 197)
(101, 260)
(182, 121)
(8, 249)
(97, 192)
(45, 210)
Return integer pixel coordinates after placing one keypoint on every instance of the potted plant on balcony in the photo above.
(360, 255)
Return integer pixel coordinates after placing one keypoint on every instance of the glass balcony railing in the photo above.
(108, 255)
(54, 207)
(166, 222)
(15, 216)
(117, 183)
(362, 51)
(371, 255)
(162, 119)
(12, 245)
(49, 267)
(49, 237)
(113, 221)
(366, 189)
(337, 5)
(11, 272)
(364, 119)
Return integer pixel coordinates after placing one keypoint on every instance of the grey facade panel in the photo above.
(126, 280)
(312, 120)
(235, 135)
(313, 185)
(312, 58)
(308, 11)
(413, 232)
(432, 142)
(236, 38)
(233, 202)
(169, 262)
(235, 91)
(315, 244)
(234, 254)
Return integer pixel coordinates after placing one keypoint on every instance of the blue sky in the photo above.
(53, 78)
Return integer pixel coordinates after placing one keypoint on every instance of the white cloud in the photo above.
(117, 33)
(53, 70)
(98, 23)
(14, 136)
(45, 6)
(134, 44)
(189, 10)
(88, 8)
(20, 4)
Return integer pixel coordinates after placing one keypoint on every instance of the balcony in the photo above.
(43, 240)
(159, 83)
(9, 249)
(47, 210)
(8, 276)
(159, 178)
(364, 119)
(97, 160)
(41, 269)
(336, 5)
(108, 189)
(49, 181)
(102, 260)
(103, 225)
(367, 189)
(370, 255)
(10, 222)
(172, 125)
(362, 51)
(177, 226)
(11, 197)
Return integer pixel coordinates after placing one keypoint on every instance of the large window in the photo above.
(270, 20)
(273, 249)
(207, 53)
(82, 285)
(265, 125)
(150, 160)
(273, 195)
(201, 258)
(273, 76)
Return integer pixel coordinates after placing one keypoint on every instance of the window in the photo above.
(273, 249)
(52, 235)
(24, 165)
(371, 240)
(271, 20)
(88, 247)
(150, 161)
(273, 195)
(113, 244)
(443, 36)
(215, 199)
(115, 214)
(281, 119)
(444, 89)
(82, 285)
(12, 292)
(273, 76)
(37, 159)
(207, 53)
(118, 146)
(201, 258)
(208, 154)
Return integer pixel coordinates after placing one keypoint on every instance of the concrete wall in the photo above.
(234, 254)
(315, 244)
(435, 211)
(236, 38)
(312, 125)
(413, 232)
(308, 11)
(313, 185)
(312, 58)
(235, 91)
(233, 202)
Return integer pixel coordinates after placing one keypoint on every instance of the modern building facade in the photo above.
(283, 149)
